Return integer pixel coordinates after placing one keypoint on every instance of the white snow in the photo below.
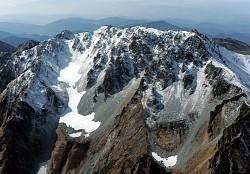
(236, 68)
(42, 170)
(70, 74)
(74, 135)
(71, 117)
(168, 162)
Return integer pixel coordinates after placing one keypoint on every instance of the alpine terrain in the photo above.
(132, 100)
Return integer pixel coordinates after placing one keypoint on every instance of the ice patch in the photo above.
(75, 135)
(168, 162)
(42, 170)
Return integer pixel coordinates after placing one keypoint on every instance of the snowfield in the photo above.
(168, 162)
(42, 170)
(239, 66)
(73, 119)
(70, 75)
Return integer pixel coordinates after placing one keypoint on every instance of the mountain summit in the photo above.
(132, 100)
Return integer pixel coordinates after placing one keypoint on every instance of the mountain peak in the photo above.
(66, 34)
(87, 96)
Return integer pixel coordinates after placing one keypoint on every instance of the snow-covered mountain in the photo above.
(133, 100)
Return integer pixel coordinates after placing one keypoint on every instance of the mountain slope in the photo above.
(72, 24)
(4, 34)
(238, 31)
(17, 28)
(123, 100)
(5, 47)
(15, 41)
(233, 45)
(243, 37)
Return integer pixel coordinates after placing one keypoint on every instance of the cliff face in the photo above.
(131, 100)
(232, 152)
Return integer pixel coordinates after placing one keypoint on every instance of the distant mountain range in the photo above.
(4, 47)
(240, 30)
(237, 25)
(18, 33)
(72, 24)
(160, 25)
(19, 38)
(16, 40)
(79, 24)
(4, 34)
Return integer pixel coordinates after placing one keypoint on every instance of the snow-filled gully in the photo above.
(71, 117)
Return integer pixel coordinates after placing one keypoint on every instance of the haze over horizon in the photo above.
(45, 11)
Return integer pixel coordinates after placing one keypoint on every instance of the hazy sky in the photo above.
(148, 9)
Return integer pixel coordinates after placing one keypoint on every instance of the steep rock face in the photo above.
(126, 146)
(204, 145)
(6, 70)
(232, 153)
(153, 95)
(68, 156)
(27, 128)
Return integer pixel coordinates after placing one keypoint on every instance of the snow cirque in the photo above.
(70, 75)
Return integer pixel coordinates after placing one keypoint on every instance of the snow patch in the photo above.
(75, 135)
(168, 162)
(238, 68)
(42, 170)
(73, 119)
(70, 75)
